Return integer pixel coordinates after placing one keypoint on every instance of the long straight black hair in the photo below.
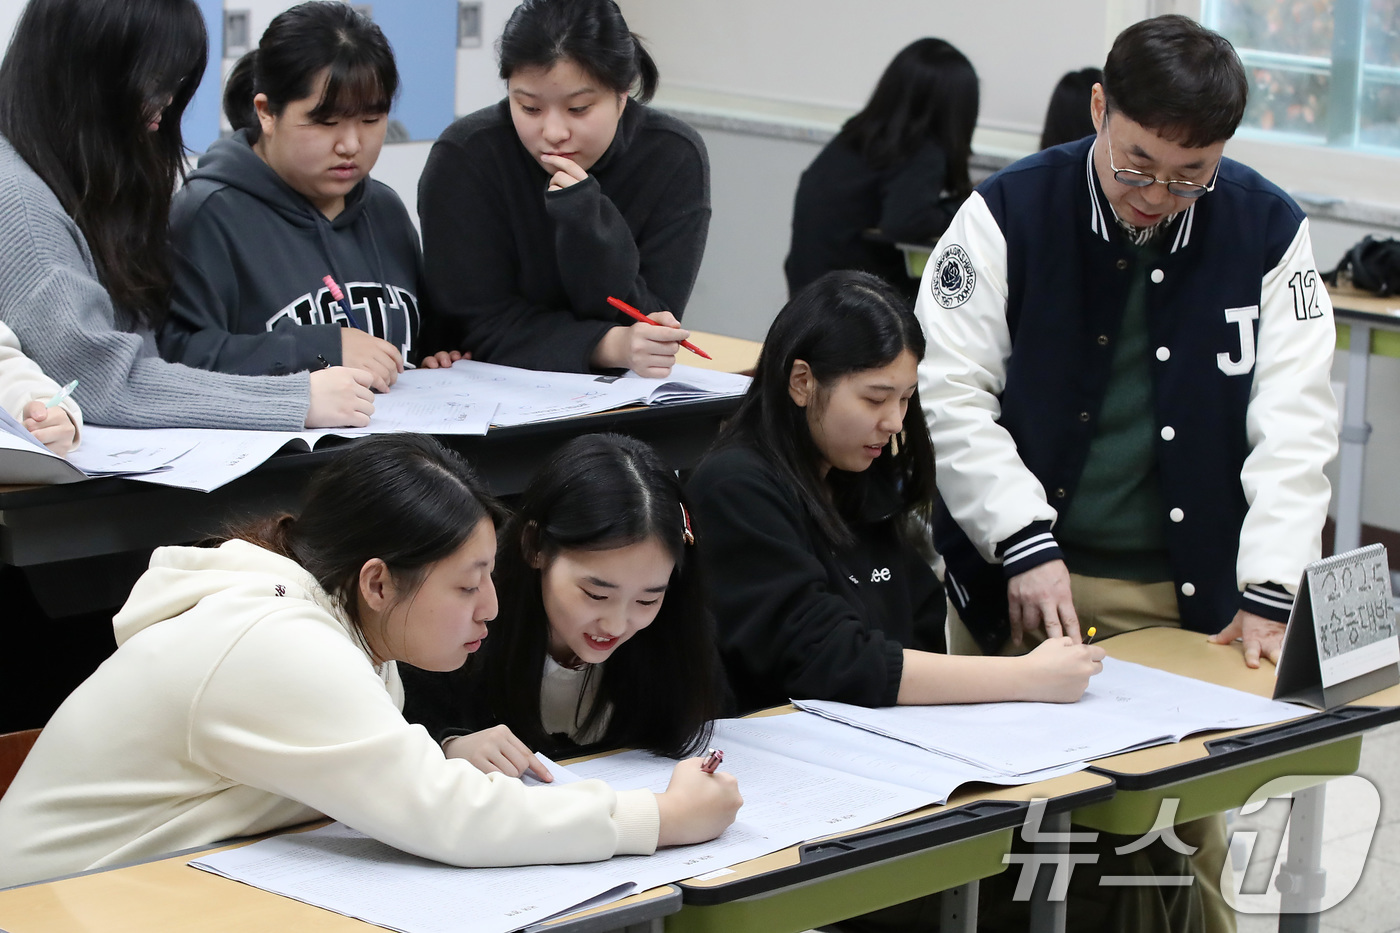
(590, 33)
(928, 92)
(404, 498)
(843, 323)
(662, 687)
(299, 44)
(79, 84)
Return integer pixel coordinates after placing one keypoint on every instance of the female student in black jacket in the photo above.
(800, 514)
(536, 210)
(900, 165)
(603, 639)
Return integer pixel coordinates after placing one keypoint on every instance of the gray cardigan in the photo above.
(51, 297)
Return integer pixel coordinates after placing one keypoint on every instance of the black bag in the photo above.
(1372, 265)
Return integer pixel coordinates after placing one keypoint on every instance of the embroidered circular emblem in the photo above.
(953, 277)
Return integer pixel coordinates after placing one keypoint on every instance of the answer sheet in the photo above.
(1127, 706)
(786, 801)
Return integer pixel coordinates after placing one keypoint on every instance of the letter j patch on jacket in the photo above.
(953, 277)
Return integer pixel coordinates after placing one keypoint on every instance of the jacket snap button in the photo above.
(1158, 275)
(1168, 433)
(1188, 589)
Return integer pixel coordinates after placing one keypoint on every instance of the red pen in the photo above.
(632, 312)
(712, 761)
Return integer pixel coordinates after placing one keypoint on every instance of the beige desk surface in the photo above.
(1189, 654)
(731, 354)
(1344, 296)
(169, 895)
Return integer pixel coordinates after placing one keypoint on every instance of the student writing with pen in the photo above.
(569, 191)
(604, 639)
(286, 203)
(262, 675)
(85, 276)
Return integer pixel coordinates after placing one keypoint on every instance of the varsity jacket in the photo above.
(1021, 304)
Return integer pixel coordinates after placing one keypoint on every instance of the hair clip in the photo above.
(687, 534)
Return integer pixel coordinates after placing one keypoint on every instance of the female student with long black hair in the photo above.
(260, 677)
(91, 95)
(799, 521)
(605, 639)
(288, 200)
(538, 209)
(900, 165)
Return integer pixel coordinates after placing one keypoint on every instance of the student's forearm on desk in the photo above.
(1057, 671)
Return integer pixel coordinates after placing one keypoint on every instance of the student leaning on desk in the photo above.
(91, 95)
(1128, 341)
(255, 687)
(537, 209)
(801, 514)
(609, 643)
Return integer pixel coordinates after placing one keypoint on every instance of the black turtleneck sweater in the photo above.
(524, 273)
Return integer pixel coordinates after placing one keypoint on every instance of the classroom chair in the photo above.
(14, 748)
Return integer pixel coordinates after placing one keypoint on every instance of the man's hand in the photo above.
(1041, 596)
(1261, 637)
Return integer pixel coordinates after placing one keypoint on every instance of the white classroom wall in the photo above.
(773, 78)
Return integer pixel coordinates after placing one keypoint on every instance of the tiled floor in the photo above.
(1373, 906)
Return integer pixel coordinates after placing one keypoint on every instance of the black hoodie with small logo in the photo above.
(249, 258)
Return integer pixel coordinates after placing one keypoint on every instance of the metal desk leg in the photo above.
(1047, 912)
(959, 909)
(1355, 433)
(1301, 880)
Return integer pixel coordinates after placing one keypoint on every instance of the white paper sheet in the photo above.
(1127, 706)
(786, 801)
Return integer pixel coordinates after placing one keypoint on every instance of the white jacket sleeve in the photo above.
(1291, 425)
(962, 307)
(295, 709)
(22, 382)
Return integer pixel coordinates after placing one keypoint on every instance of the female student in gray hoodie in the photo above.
(287, 201)
(91, 95)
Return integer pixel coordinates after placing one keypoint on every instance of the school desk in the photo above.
(1218, 771)
(166, 894)
(1366, 326)
(945, 848)
(42, 527)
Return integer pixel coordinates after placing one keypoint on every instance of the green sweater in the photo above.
(1114, 524)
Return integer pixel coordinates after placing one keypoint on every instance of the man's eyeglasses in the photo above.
(1135, 179)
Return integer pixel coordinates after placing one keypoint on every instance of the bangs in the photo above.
(354, 88)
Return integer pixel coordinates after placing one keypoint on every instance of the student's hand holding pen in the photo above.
(496, 749)
(697, 806)
(1058, 670)
(645, 349)
(50, 426)
(340, 398)
(378, 357)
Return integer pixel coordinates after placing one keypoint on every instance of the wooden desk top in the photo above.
(731, 354)
(169, 895)
(1347, 298)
